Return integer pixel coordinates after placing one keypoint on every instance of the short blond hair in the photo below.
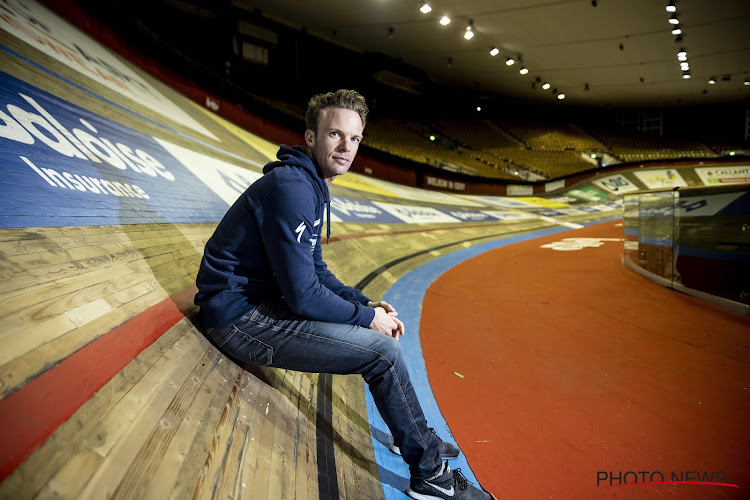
(342, 98)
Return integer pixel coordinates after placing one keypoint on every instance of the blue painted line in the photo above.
(407, 295)
(120, 106)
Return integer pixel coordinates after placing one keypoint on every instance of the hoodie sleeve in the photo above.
(287, 224)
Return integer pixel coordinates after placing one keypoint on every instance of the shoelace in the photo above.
(459, 479)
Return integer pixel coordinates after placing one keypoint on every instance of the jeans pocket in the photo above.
(247, 346)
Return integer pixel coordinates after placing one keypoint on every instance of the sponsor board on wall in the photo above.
(416, 194)
(712, 176)
(45, 31)
(520, 190)
(661, 178)
(554, 185)
(441, 183)
(617, 183)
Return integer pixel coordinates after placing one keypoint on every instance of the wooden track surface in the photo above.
(180, 420)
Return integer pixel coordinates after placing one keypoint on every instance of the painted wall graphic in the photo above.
(45, 31)
(63, 165)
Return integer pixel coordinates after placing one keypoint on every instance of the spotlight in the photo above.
(523, 70)
(510, 61)
(479, 108)
(676, 30)
(684, 66)
(432, 137)
(445, 20)
(546, 86)
(673, 19)
(494, 51)
(469, 34)
(747, 82)
(561, 96)
(682, 53)
(425, 8)
(712, 80)
(671, 7)
(686, 75)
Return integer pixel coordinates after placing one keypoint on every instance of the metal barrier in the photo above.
(695, 240)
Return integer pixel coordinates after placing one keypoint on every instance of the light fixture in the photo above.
(425, 8)
(676, 30)
(671, 7)
(684, 66)
(523, 70)
(479, 108)
(432, 137)
(712, 80)
(546, 86)
(682, 53)
(445, 20)
(686, 75)
(673, 19)
(494, 51)
(732, 153)
(469, 34)
(561, 96)
(747, 82)
(510, 61)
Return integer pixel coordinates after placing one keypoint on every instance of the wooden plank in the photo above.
(140, 473)
(169, 467)
(108, 476)
(190, 477)
(67, 441)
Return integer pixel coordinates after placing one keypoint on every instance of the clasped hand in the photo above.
(385, 320)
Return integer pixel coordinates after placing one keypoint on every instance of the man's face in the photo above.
(334, 145)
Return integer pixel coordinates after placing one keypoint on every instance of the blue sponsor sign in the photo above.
(63, 165)
(355, 210)
(469, 216)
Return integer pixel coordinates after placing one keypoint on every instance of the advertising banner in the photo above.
(617, 183)
(661, 178)
(713, 176)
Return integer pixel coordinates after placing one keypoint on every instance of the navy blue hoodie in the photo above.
(268, 247)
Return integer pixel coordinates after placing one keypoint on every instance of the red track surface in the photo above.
(575, 365)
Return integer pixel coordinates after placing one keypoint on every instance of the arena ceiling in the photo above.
(596, 52)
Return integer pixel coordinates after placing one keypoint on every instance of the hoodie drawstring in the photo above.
(328, 220)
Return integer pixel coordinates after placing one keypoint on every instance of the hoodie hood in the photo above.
(297, 157)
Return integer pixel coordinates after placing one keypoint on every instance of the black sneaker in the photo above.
(447, 450)
(450, 485)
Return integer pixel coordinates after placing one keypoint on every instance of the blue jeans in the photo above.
(272, 335)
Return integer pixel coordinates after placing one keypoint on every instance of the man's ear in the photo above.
(309, 138)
